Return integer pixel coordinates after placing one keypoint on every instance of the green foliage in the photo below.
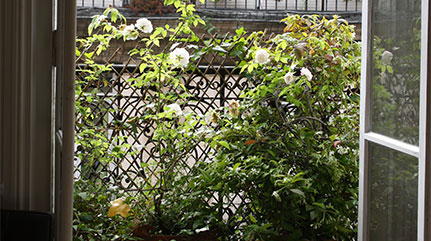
(288, 148)
(91, 204)
(291, 148)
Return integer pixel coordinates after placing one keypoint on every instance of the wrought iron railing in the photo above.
(101, 3)
(253, 5)
(285, 5)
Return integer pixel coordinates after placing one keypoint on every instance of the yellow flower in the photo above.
(119, 207)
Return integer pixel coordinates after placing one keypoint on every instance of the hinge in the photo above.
(54, 48)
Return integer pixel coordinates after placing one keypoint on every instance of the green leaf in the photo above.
(321, 205)
(142, 67)
(225, 144)
(313, 215)
(219, 49)
(236, 166)
(114, 15)
(297, 191)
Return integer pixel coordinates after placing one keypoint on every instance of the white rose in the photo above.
(129, 32)
(387, 57)
(307, 73)
(144, 25)
(180, 57)
(289, 78)
(261, 56)
(100, 19)
(176, 108)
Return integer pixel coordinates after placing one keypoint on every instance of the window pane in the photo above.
(396, 69)
(393, 188)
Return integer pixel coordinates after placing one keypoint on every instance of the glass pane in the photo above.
(396, 69)
(393, 188)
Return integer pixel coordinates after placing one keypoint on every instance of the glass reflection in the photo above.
(396, 69)
(393, 191)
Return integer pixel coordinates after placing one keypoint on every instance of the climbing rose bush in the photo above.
(290, 149)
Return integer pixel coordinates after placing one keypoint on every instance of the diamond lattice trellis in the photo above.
(115, 101)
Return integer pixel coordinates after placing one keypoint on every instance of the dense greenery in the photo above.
(293, 142)
(284, 161)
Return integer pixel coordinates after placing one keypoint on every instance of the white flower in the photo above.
(202, 229)
(387, 57)
(100, 18)
(180, 57)
(289, 78)
(129, 32)
(261, 56)
(176, 108)
(307, 73)
(144, 25)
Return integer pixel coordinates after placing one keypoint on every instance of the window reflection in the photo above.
(393, 190)
(396, 69)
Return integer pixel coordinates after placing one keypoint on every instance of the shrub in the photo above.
(291, 145)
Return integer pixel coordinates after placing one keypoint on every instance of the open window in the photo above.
(394, 130)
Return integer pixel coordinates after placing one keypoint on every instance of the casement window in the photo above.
(395, 121)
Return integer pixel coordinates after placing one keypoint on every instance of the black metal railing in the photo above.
(285, 5)
(101, 3)
(253, 5)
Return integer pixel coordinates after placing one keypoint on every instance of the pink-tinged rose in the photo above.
(305, 72)
(336, 143)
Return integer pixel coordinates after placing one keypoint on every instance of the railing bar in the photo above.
(326, 5)
(113, 3)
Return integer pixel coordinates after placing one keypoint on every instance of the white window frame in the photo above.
(366, 136)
